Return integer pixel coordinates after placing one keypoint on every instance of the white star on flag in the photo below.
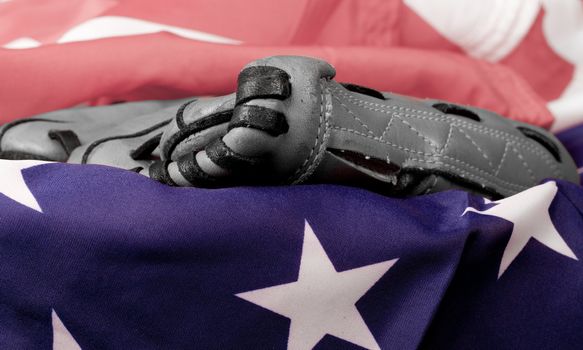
(322, 300)
(62, 338)
(12, 184)
(529, 212)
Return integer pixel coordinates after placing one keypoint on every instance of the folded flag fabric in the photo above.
(517, 58)
(100, 258)
(93, 257)
(572, 139)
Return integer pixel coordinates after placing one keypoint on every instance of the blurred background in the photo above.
(521, 58)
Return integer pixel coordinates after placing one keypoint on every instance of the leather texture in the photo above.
(108, 135)
(289, 123)
(385, 142)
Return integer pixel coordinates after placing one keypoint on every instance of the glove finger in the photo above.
(347, 134)
(257, 120)
(194, 140)
(257, 115)
(184, 172)
(239, 157)
(262, 82)
(253, 133)
(257, 128)
(217, 165)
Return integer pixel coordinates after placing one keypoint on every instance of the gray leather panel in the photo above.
(396, 145)
(491, 152)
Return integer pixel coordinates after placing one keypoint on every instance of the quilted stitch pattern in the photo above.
(438, 153)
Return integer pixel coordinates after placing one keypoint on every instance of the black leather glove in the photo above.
(290, 123)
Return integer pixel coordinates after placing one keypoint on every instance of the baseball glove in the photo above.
(289, 123)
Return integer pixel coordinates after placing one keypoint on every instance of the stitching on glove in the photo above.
(383, 106)
(392, 116)
(520, 144)
(325, 114)
(463, 173)
(438, 156)
(387, 128)
(512, 139)
(423, 137)
(376, 138)
(506, 148)
(447, 139)
(483, 172)
(458, 123)
(416, 114)
(354, 116)
(476, 145)
(525, 164)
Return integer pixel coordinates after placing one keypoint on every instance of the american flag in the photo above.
(100, 258)
(93, 257)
